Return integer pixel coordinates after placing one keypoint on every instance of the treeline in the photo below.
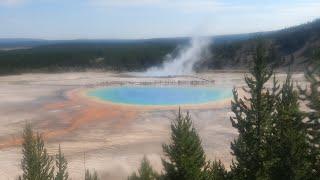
(291, 44)
(278, 139)
(79, 57)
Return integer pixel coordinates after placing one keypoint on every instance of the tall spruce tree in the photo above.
(145, 172)
(251, 116)
(62, 165)
(185, 158)
(36, 163)
(311, 97)
(286, 144)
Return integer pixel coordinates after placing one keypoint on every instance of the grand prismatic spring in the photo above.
(161, 96)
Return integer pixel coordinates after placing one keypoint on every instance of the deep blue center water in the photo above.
(160, 95)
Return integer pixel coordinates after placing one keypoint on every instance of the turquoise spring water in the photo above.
(160, 95)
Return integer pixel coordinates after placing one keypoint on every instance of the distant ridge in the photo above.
(29, 42)
(294, 45)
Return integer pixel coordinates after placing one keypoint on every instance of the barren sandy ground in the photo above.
(109, 138)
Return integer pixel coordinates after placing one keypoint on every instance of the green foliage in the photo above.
(251, 116)
(287, 148)
(91, 175)
(62, 165)
(311, 96)
(216, 171)
(145, 172)
(36, 163)
(185, 158)
(273, 136)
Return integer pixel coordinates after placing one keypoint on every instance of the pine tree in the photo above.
(145, 172)
(287, 148)
(28, 151)
(61, 164)
(215, 170)
(91, 175)
(185, 155)
(311, 96)
(36, 163)
(251, 116)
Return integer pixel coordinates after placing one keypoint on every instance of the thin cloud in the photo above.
(11, 2)
(302, 8)
(112, 3)
(186, 5)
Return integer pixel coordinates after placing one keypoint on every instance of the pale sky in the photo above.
(135, 19)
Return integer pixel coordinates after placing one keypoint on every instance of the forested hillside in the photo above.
(293, 44)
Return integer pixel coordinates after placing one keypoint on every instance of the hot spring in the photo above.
(160, 96)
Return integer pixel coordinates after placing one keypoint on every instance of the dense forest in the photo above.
(293, 44)
(278, 139)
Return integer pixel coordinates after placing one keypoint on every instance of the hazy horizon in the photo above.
(148, 38)
(145, 19)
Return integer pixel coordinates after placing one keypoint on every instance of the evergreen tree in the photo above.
(61, 164)
(91, 175)
(251, 116)
(28, 151)
(145, 172)
(311, 96)
(36, 163)
(287, 148)
(185, 155)
(216, 171)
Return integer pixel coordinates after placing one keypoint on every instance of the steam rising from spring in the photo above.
(183, 63)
